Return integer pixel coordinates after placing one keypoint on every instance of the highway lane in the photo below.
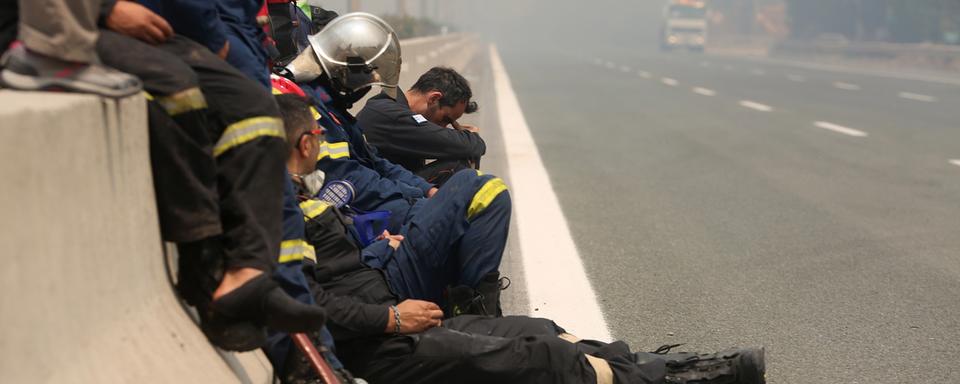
(705, 218)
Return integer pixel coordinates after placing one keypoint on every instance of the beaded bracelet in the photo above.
(396, 318)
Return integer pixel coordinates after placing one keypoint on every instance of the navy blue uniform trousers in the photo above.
(454, 238)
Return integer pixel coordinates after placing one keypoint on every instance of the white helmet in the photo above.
(356, 51)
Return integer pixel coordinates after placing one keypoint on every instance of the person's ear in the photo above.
(433, 98)
(303, 146)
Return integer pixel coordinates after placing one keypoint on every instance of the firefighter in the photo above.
(386, 338)
(217, 152)
(420, 124)
(474, 216)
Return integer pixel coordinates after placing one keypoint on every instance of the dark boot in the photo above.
(732, 366)
(484, 300)
(237, 321)
(489, 291)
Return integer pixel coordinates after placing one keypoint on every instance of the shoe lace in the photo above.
(504, 283)
(665, 349)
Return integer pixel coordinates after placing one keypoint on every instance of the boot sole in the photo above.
(14, 80)
(238, 337)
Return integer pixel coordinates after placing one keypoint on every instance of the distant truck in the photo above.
(684, 25)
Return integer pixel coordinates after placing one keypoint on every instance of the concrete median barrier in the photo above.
(84, 293)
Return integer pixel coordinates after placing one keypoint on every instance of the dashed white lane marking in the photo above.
(669, 81)
(644, 74)
(704, 91)
(918, 97)
(846, 86)
(421, 59)
(840, 129)
(758, 72)
(756, 106)
(625, 69)
(557, 284)
(796, 78)
(611, 65)
(955, 162)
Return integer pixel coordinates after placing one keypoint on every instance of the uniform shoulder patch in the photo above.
(419, 118)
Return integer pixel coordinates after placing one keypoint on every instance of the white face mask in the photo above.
(313, 182)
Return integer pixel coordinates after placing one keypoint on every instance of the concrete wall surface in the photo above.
(84, 295)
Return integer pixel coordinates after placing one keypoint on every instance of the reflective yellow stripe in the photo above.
(313, 208)
(316, 114)
(276, 91)
(334, 150)
(483, 197)
(296, 250)
(184, 101)
(247, 130)
(148, 95)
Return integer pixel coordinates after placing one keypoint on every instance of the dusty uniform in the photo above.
(216, 144)
(467, 349)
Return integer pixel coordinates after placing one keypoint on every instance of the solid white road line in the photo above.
(846, 86)
(644, 74)
(704, 91)
(557, 284)
(955, 162)
(756, 106)
(796, 78)
(917, 97)
(840, 129)
(669, 81)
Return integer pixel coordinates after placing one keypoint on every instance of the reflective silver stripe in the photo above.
(334, 150)
(246, 130)
(295, 250)
(313, 208)
(184, 101)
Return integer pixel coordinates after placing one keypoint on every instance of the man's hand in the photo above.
(465, 127)
(415, 316)
(432, 191)
(394, 239)
(224, 51)
(139, 22)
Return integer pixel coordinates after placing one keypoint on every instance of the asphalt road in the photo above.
(720, 202)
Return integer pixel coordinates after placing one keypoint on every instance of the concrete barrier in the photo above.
(84, 293)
